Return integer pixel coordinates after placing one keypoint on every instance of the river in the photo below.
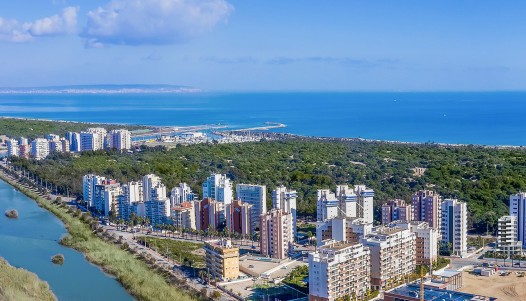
(30, 241)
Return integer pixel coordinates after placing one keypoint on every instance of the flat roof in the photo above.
(446, 273)
(435, 294)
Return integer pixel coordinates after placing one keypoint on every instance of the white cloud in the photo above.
(135, 22)
(63, 24)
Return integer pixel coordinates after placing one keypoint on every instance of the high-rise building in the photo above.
(396, 210)
(239, 218)
(119, 139)
(183, 216)
(52, 137)
(507, 236)
(339, 270)
(208, 213)
(131, 194)
(275, 234)
(24, 150)
(454, 226)
(55, 146)
(426, 208)
(285, 199)
(152, 188)
(89, 182)
(39, 148)
(13, 149)
(426, 243)
(158, 210)
(342, 229)
(101, 134)
(365, 203)
(106, 197)
(90, 141)
(23, 141)
(74, 141)
(357, 202)
(64, 145)
(518, 209)
(255, 195)
(180, 194)
(219, 188)
(222, 260)
(326, 205)
(392, 254)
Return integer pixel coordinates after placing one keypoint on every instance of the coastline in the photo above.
(142, 282)
(21, 284)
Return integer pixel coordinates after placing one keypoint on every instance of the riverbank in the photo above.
(135, 275)
(20, 284)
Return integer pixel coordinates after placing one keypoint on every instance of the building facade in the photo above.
(222, 260)
(507, 236)
(239, 218)
(426, 208)
(339, 270)
(518, 209)
(392, 255)
(395, 210)
(285, 199)
(255, 195)
(39, 148)
(454, 226)
(275, 234)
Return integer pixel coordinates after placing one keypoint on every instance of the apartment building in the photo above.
(342, 229)
(255, 195)
(285, 199)
(518, 209)
(339, 270)
(183, 216)
(393, 253)
(222, 260)
(275, 234)
(454, 226)
(426, 208)
(239, 218)
(426, 243)
(507, 236)
(395, 210)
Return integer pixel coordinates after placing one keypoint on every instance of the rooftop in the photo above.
(433, 294)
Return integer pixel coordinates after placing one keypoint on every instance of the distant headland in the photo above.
(100, 89)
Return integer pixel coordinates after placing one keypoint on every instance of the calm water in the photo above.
(32, 240)
(478, 118)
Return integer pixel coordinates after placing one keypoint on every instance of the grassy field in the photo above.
(135, 275)
(19, 284)
(180, 251)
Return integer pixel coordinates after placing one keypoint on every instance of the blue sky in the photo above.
(266, 45)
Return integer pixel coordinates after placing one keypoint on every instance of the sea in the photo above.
(486, 118)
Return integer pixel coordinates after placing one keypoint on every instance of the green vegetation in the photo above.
(296, 279)
(32, 128)
(135, 275)
(180, 251)
(58, 259)
(19, 284)
(482, 176)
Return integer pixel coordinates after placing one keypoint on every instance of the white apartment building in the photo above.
(275, 234)
(285, 199)
(518, 209)
(427, 240)
(39, 148)
(183, 216)
(348, 200)
(392, 255)
(180, 194)
(507, 236)
(23, 141)
(131, 194)
(106, 197)
(255, 195)
(101, 134)
(454, 226)
(365, 202)
(152, 188)
(119, 139)
(219, 188)
(342, 229)
(338, 270)
(12, 148)
(326, 205)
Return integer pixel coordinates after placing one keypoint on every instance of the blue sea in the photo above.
(495, 118)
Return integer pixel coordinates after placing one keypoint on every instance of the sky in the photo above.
(272, 45)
